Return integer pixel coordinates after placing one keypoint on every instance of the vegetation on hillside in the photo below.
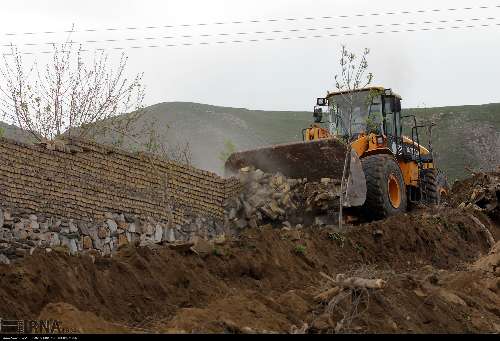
(464, 136)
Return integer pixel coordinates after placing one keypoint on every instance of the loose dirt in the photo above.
(441, 269)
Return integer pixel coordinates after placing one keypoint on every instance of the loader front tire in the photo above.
(386, 191)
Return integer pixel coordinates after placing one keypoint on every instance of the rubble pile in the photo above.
(274, 199)
(481, 192)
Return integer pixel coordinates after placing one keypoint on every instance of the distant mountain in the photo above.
(464, 136)
(13, 132)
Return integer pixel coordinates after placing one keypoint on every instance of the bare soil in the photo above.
(266, 281)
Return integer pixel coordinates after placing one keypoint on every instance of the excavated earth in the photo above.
(441, 266)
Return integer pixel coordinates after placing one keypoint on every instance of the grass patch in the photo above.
(300, 249)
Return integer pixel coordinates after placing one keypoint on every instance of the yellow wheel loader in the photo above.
(387, 167)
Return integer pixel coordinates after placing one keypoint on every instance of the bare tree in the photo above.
(68, 95)
(157, 144)
(351, 78)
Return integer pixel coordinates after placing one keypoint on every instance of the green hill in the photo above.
(464, 136)
(13, 132)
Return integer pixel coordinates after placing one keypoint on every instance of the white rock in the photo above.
(34, 225)
(54, 239)
(319, 221)
(158, 234)
(4, 259)
(169, 235)
(149, 229)
(7, 215)
(72, 227)
(98, 244)
(112, 225)
(132, 228)
(79, 244)
(70, 243)
(106, 250)
(33, 217)
(93, 233)
(121, 217)
(83, 229)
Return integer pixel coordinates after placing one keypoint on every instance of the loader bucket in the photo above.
(313, 160)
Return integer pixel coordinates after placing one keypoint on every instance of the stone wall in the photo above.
(82, 181)
(88, 197)
(21, 233)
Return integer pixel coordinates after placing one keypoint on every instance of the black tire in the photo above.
(378, 170)
(429, 186)
(434, 186)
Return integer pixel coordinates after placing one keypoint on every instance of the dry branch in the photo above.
(355, 282)
(326, 296)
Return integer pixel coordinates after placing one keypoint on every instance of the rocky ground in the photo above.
(436, 269)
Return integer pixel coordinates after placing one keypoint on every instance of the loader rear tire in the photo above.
(428, 181)
(386, 190)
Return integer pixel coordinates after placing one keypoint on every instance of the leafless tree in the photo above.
(157, 144)
(352, 77)
(68, 95)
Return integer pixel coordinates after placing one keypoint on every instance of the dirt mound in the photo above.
(491, 262)
(422, 300)
(77, 321)
(266, 281)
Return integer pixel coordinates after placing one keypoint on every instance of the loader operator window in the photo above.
(392, 121)
(343, 105)
(389, 124)
(374, 120)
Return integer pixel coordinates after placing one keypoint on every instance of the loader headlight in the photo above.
(380, 140)
(321, 101)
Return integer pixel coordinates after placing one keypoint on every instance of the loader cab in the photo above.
(372, 110)
(392, 125)
(357, 112)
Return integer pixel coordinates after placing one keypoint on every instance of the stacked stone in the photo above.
(21, 234)
(273, 198)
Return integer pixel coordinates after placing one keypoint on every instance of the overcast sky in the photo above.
(428, 68)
